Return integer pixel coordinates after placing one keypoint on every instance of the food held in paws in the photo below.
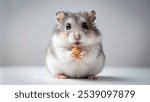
(76, 52)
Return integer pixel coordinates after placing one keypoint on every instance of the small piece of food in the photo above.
(76, 52)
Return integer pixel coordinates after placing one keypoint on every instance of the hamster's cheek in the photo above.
(91, 35)
(58, 40)
(71, 38)
(89, 41)
(63, 35)
(83, 39)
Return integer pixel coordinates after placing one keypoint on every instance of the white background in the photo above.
(26, 25)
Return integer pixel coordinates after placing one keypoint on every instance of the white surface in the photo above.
(41, 76)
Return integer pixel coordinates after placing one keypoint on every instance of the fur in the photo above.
(59, 60)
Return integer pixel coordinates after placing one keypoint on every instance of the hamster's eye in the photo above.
(84, 25)
(68, 26)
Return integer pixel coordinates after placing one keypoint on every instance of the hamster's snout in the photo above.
(77, 37)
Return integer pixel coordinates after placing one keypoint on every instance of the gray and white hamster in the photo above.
(75, 29)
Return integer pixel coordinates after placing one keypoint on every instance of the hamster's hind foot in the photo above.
(61, 76)
(92, 77)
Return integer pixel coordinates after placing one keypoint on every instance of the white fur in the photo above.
(90, 64)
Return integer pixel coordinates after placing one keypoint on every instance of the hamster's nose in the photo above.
(77, 37)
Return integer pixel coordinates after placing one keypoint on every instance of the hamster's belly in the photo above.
(75, 69)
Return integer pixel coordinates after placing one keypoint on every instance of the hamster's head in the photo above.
(76, 29)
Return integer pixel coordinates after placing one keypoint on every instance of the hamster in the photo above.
(75, 30)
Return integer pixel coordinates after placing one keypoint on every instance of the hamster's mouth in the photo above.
(77, 43)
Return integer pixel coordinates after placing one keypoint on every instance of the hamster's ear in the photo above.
(92, 16)
(60, 16)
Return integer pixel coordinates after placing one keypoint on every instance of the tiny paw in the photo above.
(82, 54)
(78, 57)
(61, 76)
(74, 57)
(92, 77)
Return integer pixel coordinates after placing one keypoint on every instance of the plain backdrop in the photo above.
(26, 26)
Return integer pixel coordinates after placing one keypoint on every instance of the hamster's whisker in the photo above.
(94, 45)
(77, 32)
(83, 33)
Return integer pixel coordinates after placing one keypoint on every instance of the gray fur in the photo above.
(75, 17)
(89, 44)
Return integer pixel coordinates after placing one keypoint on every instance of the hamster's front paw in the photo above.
(78, 58)
(77, 54)
(82, 54)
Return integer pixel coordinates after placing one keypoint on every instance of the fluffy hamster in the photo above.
(75, 30)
